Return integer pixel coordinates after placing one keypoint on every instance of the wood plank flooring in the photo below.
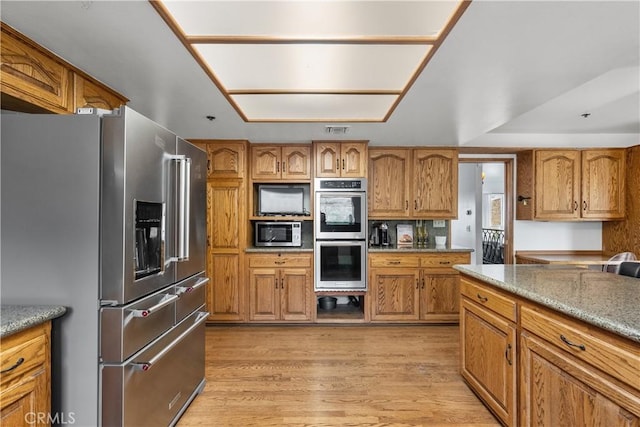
(334, 376)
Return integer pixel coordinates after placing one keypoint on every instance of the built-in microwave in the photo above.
(278, 233)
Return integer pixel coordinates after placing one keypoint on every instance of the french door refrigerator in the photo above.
(105, 215)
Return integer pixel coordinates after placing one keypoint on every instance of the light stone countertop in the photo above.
(606, 300)
(432, 248)
(15, 318)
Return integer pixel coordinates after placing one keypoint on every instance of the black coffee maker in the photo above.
(379, 236)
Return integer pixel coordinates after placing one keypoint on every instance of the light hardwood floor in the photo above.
(334, 376)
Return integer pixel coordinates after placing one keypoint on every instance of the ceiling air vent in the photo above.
(336, 130)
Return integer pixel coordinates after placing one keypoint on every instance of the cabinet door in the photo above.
(265, 162)
(557, 184)
(225, 159)
(395, 293)
(264, 292)
(556, 389)
(435, 188)
(603, 184)
(488, 351)
(296, 163)
(25, 390)
(89, 94)
(225, 294)
(389, 183)
(353, 159)
(295, 293)
(225, 222)
(32, 75)
(440, 295)
(327, 159)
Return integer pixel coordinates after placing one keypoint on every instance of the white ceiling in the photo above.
(510, 73)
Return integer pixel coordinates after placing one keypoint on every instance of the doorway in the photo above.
(485, 209)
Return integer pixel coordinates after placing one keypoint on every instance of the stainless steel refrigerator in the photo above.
(105, 215)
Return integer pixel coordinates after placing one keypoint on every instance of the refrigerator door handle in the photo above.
(168, 299)
(186, 289)
(145, 366)
(184, 200)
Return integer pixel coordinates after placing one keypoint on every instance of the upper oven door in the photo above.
(340, 215)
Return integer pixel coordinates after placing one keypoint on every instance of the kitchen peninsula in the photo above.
(551, 343)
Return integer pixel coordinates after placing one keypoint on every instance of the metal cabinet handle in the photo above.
(166, 300)
(277, 166)
(279, 262)
(575, 205)
(284, 167)
(417, 283)
(507, 354)
(281, 283)
(15, 365)
(584, 205)
(396, 262)
(481, 298)
(145, 366)
(415, 204)
(570, 344)
(445, 262)
(342, 164)
(423, 283)
(337, 164)
(407, 204)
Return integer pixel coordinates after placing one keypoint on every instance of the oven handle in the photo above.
(166, 300)
(180, 290)
(145, 366)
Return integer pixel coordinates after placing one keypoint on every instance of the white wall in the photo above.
(465, 230)
(537, 235)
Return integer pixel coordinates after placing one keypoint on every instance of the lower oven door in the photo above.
(154, 386)
(340, 265)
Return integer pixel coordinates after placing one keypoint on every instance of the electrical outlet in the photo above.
(438, 223)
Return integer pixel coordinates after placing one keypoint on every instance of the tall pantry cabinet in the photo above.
(226, 228)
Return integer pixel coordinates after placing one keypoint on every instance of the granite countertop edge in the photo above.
(16, 318)
(606, 323)
(271, 249)
(428, 249)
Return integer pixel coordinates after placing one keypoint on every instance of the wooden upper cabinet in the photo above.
(603, 184)
(225, 158)
(88, 93)
(289, 163)
(435, 183)
(572, 185)
(34, 76)
(557, 184)
(346, 159)
(389, 189)
(36, 80)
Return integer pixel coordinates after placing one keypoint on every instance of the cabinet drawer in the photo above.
(21, 353)
(444, 260)
(280, 260)
(613, 356)
(394, 261)
(489, 298)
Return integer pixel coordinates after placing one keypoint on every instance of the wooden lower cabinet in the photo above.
(395, 294)
(562, 372)
(415, 288)
(225, 297)
(572, 374)
(487, 355)
(25, 394)
(280, 288)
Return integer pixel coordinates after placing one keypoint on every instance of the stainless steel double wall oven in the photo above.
(340, 234)
(106, 216)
